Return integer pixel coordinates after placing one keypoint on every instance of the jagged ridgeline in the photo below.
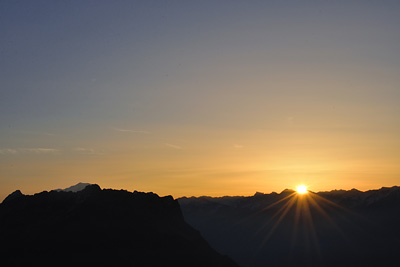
(336, 228)
(99, 227)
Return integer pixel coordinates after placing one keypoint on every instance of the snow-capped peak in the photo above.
(75, 188)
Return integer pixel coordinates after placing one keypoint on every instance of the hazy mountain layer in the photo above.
(96, 227)
(337, 228)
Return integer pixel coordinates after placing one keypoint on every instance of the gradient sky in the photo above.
(199, 97)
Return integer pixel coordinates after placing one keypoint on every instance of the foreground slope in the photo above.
(337, 228)
(96, 227)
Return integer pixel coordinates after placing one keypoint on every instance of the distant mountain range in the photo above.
(336, 228)
(85, 225)
(75, 188)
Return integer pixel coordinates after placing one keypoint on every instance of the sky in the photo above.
(190, 98)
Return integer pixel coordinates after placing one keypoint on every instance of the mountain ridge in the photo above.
(384, 188)
(102, 227)
(74, 188)
(329, 228)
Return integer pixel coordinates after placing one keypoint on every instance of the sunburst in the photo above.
(300, 204)
(301, 189)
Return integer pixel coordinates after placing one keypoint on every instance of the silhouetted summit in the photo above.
(14, 195)
(336, 228)
(75, 188)
(99, 227)
(287, 192)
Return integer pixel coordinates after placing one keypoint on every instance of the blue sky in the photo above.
(199, 97)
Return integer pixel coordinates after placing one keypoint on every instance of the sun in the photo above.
(301, 189)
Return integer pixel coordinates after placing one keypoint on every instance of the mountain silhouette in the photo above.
(336, 228)
(99, 227)
(74, 188)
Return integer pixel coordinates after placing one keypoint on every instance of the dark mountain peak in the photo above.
(287, 192)
(91, 188)
(353, 192)
(111, 227)
(258, 194)
(14, 195)
(389, 189)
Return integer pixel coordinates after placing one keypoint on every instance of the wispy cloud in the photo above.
(14, 151)
(8, 151)
(40, 150)
(84, 150)
(35, 133)
(173, 146)
(45, 133)
(237, 146)
(131, 131)
(290, 119)
(87, 151)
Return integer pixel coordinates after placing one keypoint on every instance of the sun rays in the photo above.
(300, 208)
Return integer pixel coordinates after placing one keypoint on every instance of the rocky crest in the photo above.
(336, 228)
(100, 227)
(75, 188)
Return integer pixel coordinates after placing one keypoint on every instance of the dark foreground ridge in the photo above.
(337, 228)
(95, 227)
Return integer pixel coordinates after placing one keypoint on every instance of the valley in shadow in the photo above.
(337, 228)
